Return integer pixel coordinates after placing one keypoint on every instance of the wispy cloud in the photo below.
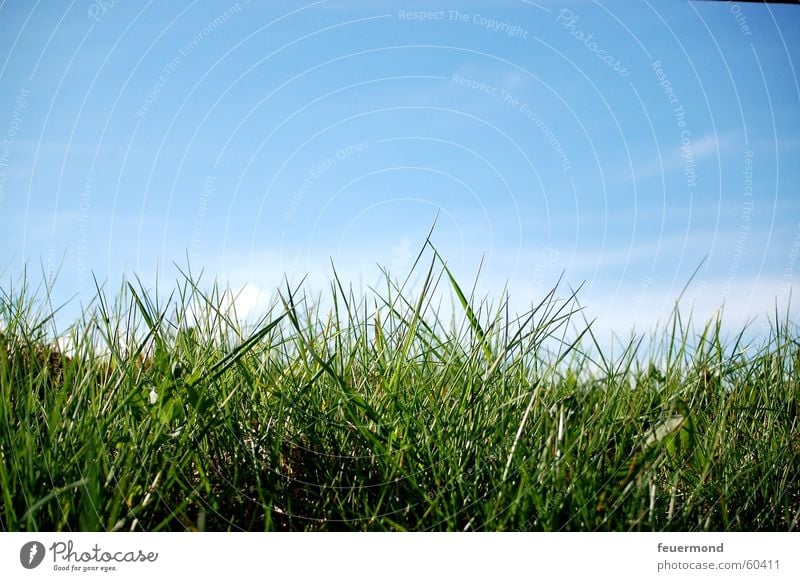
(674, 159)
(747, 300)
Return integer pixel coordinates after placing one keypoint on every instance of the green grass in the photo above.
(390, 411)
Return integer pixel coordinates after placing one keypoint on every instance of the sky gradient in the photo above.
(623, 144)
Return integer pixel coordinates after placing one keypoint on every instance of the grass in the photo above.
(387, 412)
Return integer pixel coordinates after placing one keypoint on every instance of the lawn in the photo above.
(412, 407)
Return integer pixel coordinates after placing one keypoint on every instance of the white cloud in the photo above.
(672, 160)
(645, 308)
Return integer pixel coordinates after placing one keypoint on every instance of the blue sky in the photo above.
(621, 143)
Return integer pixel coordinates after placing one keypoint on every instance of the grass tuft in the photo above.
(389, 411)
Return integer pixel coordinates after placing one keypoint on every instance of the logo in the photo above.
(31, 554)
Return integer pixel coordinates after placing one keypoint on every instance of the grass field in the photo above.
(389, 411)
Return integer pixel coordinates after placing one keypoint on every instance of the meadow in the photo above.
(410, 407)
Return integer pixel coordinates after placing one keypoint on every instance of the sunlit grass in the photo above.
(387, 412)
